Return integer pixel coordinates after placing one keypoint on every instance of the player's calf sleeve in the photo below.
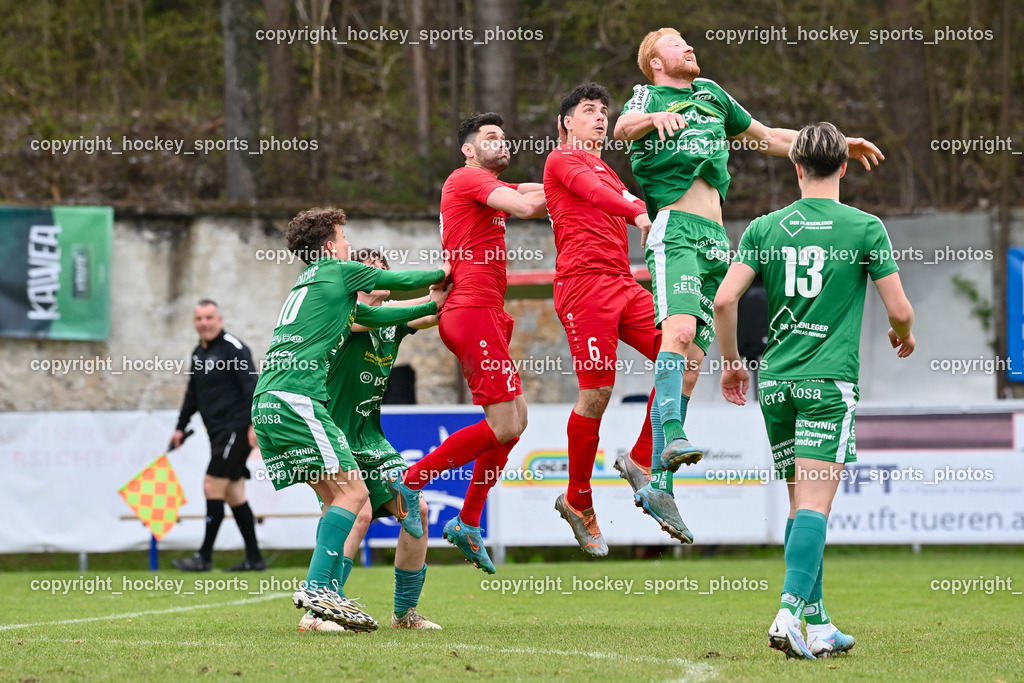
(661, 479)
(408, 586)
(465, 445)
(214, 516)
(247, 527)
(814, 611)
(583, 440)
(344, 569)
(668, 389)
(486, 472)
(644, 445)
(803, 559)
(334, 528)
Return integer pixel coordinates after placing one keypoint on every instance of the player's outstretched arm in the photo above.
(529, 205)
(371, 317)
(404, 280)
(735, 378)
(525, 188)
(774, 141)
(635, 125)
(901, 314)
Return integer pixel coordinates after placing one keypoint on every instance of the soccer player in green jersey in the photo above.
(356, 385)
(815, 257)
(297, 437)
(679, 127)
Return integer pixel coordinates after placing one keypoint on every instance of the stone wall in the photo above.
(163, 264)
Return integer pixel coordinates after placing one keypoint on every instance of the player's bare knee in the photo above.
(593, 402)
(363, 520)
(690, 377)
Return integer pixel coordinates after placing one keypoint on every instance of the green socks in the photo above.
(332, 531)
(814, 610)
(408, 586)
(668, 388)
(662, 479)
(804, 550)
(345, 568)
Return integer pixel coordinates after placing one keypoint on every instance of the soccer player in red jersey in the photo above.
(598, 301)
(475, 327)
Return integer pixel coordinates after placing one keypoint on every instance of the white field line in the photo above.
(130, 615)
(690, 671)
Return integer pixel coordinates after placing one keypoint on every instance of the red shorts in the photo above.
(479, 338)
(597, 311)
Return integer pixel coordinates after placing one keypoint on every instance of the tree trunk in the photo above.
(420, 86)
(496, 60)
(280, 71)
(906, 93)
(241, 97)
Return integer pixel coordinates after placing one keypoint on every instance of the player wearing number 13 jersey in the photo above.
(815, 257)
(475, 327)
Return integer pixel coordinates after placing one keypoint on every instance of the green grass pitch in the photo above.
(604, 630)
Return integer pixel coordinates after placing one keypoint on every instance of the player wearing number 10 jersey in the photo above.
(297, 437)
(475, 327)
(598, 302)
(815, 257)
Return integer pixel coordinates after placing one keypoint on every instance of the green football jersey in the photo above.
(815, 256)
(666, 170)
(314, 322)
(357, 380)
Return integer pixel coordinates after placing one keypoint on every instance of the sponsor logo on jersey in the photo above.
(381, 361)
(794, 222)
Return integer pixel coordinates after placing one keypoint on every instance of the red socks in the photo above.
(645, 442)
(486, 471)
(583, 438)
(465, 445)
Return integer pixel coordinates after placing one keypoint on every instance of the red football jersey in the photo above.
(473, 238)
(588, 212)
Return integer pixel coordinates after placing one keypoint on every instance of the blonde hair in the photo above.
(649, 50)
(820, 149)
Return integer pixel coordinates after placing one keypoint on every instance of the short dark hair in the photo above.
(820, 149)
(310, 229)
(207, 302)
(583, 91)
(474, 123)
(364, 255)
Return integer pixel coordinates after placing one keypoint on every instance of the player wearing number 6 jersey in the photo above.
(808, 384)
(598, 302)
(475, 327)
(679, 127)
(297, 437)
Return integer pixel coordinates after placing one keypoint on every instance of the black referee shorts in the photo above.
(229, 451)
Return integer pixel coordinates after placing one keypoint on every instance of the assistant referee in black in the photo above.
(221, 388)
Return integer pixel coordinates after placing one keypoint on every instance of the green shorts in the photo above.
(374, 460)
(809, 418)
(298, 439)
(688, 256)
